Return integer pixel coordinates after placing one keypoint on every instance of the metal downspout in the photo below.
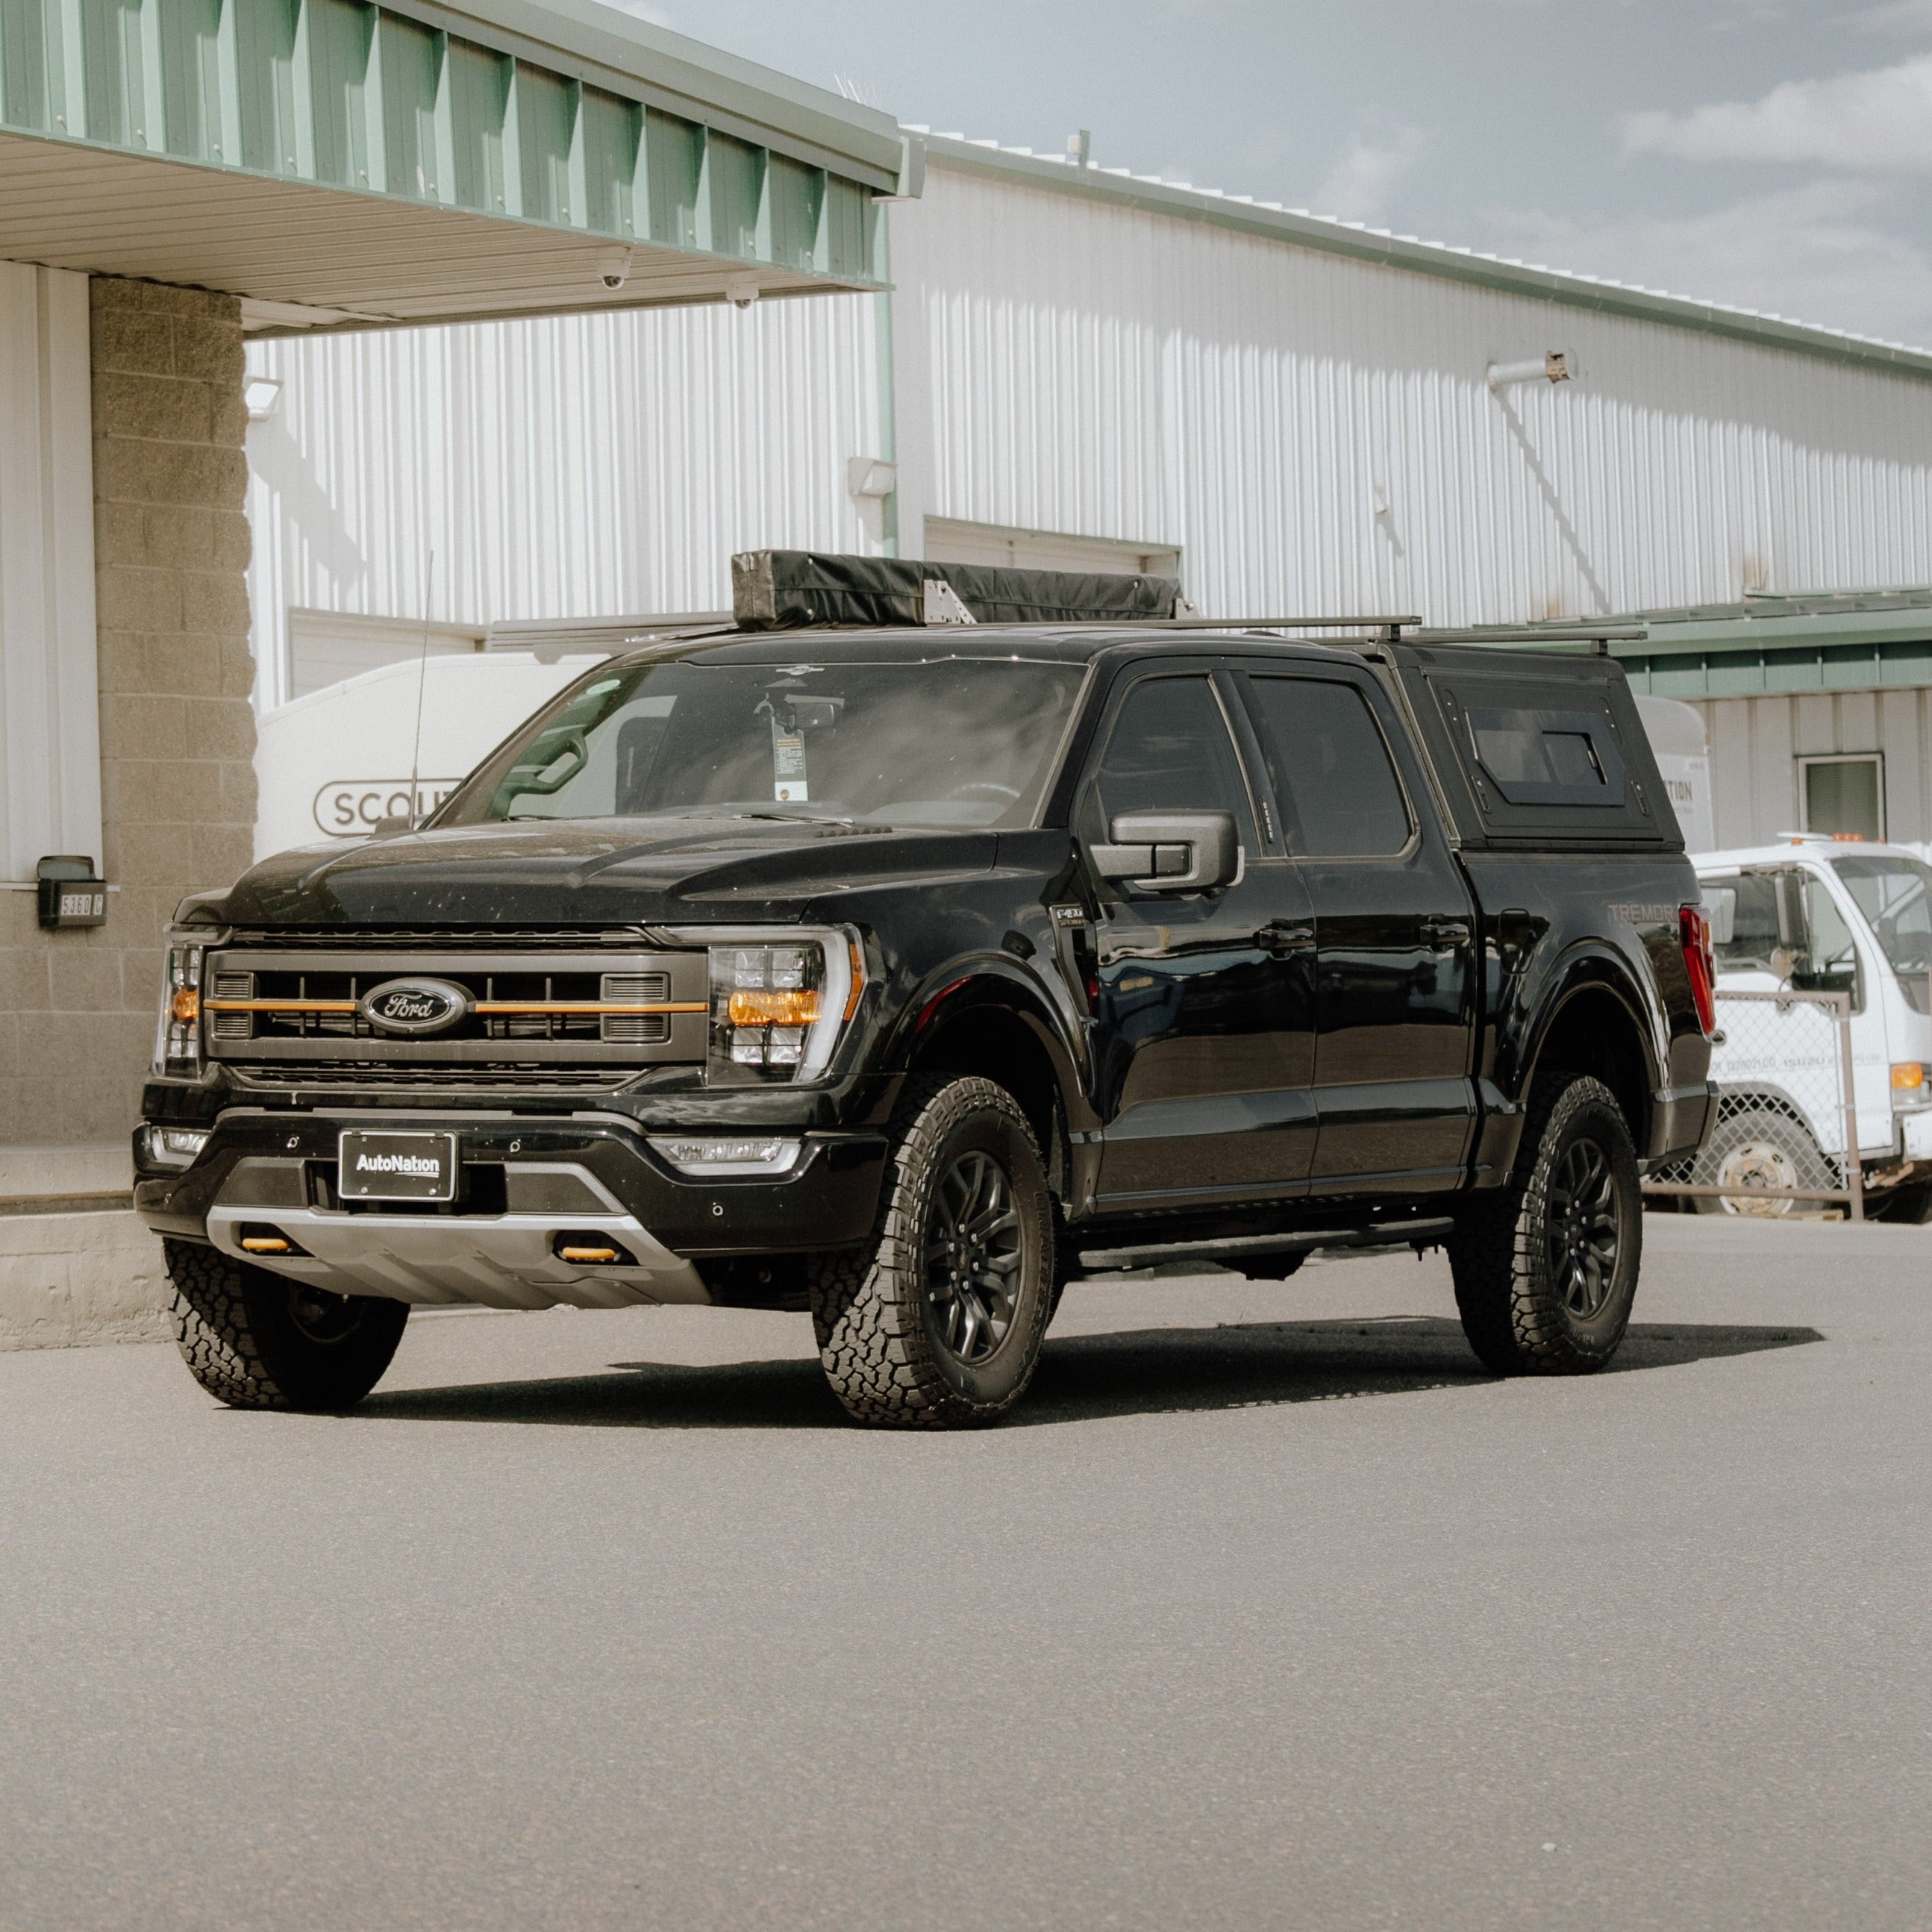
(882, 345)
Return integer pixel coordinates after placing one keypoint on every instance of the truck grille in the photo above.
(286, 1076)
(282, 1012)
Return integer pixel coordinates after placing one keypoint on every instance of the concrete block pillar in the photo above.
(177, 733)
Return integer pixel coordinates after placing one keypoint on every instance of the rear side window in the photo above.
(1339, 794)
(1537, 748)
(1537, 754)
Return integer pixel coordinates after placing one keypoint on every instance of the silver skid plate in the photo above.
(497, 1261)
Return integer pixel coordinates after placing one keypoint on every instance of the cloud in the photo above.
(1895, 16)
(1817, 253)
(1358, 188)
(1880, 121)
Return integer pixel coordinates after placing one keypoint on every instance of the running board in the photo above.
(1417, 1235)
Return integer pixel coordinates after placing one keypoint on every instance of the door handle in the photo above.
(1281, 937)
(1443, 932)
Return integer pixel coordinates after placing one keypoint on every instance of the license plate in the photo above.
(396, 1167)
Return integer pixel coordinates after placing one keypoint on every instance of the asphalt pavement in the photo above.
(1270, 1609)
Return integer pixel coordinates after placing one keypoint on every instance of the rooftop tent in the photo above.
(780, 589)
(341, 163)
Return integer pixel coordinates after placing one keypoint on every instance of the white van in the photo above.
(1813, 913)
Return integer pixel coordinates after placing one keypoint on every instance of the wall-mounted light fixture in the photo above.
(871, 476)
(1552, 366)
(263, 396)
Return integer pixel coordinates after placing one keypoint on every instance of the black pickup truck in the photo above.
(900, 970)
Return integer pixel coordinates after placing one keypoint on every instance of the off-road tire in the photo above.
(878, 1331)
(1908, 1205)
(1766, 1147)
(242, 1334)
(1508, 1291)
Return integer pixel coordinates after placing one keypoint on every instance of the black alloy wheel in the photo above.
(1585, 1227)
(1546, 1266)
(324, 1318)
(936, 1322)
(973, 1254)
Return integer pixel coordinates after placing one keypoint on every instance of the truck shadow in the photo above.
(1081, 1379)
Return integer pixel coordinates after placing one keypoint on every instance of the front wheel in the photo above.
(255, 1340)
(1546, 1268)
(936, 1324)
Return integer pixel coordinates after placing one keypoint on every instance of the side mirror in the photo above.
(1721, 907)
(1171, 851)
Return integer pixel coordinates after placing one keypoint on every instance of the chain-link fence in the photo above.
(1786, 1115)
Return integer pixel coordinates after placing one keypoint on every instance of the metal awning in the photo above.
(340, 164)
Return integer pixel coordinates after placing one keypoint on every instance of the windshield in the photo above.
(1892, 894)
(960, 742)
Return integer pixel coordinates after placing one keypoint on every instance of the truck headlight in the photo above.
(778, 1004)
(1909, 1087)
(177, 1031)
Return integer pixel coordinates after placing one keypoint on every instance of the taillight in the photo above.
(1694, 934)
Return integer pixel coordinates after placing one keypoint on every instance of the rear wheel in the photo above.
(255, 1340)
(1763, 1154)
(937, 1324)
(1546, 1268)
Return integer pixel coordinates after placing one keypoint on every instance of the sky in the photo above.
(1773, 153)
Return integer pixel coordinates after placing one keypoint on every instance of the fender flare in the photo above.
(1588, 968)
(999, 981)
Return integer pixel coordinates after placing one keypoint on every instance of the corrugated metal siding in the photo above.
(580, 466)
(1756, 743)
(1312, 432)
(1317, 434)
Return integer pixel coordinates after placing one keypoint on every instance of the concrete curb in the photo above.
(70, 1280)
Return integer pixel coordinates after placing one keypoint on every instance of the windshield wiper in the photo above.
(791, 817)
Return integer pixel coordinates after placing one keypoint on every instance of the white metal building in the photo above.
(1079, 365)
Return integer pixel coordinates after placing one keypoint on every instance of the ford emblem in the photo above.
(414, 1005)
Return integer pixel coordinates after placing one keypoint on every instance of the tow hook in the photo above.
(585, 1249)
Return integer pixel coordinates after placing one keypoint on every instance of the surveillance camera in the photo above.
(614, 267)
(741, 291)
(613, 278)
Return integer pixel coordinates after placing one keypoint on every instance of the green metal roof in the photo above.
(412, 161)
(1843, 640)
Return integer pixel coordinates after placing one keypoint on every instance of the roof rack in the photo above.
(781, 589)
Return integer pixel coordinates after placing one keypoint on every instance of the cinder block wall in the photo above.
(177, 734)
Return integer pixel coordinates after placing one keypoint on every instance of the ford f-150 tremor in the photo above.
(898, 971)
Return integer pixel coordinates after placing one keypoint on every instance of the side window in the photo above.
(1785, 922)
(1830, 964)
(1169, 751)
(1743, 913)
(1339, 794)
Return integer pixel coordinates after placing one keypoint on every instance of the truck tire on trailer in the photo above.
(258, 1340)
(1546, 1267)
(1760, 1147)
(936, 1324)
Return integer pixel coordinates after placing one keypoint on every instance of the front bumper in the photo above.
(525, 1186)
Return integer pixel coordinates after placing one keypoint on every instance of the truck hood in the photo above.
(594, 872)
